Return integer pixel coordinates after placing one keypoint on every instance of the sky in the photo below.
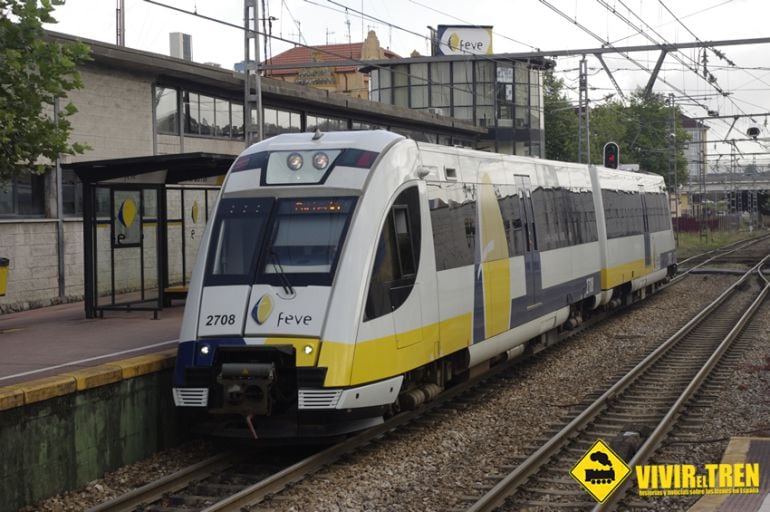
(519, 26)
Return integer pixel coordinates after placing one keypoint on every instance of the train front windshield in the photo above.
(266, 240)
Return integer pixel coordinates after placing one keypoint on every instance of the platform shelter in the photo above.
(143, 221)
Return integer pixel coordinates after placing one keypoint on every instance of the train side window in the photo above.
(397, 258)
(510, 207)
(406, 256)
(453, 217)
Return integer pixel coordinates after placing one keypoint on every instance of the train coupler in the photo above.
(246, 387)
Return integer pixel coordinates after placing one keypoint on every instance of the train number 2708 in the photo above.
(220, 320)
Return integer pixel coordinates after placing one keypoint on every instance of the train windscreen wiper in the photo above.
(278, 268)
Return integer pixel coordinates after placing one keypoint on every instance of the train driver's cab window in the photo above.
(236, 237)
(397, 258)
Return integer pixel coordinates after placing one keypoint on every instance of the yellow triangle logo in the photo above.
(600, 471)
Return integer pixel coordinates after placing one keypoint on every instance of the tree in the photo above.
(649, 140)
(34, 72)
(642, 130)
(607, 125)
(561, 122)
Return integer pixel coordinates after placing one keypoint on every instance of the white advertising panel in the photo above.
(464, 40)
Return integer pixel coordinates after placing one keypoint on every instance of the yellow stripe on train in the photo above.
(619, 274)
(381, 358)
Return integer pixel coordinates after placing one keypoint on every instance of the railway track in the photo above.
(228, 483)
(223, 483)
(201, 486)
(648, 400)
(731, 253)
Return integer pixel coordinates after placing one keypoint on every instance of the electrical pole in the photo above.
(252, 103)
(673, 165)
(120, 23)
(583, 116)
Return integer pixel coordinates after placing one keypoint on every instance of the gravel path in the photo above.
(432, 464)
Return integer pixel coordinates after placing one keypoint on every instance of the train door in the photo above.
(394, 288)
(531, 252)
(646, 221)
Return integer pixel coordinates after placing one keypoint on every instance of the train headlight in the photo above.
(320, 161)
(205, 349)
(294, 161)
(308, 349)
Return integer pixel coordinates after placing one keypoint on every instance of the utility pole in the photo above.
(704, 231)
(120, 23)
(252, 103)
(583, 115)
(673, 166)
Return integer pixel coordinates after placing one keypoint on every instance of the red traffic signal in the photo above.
(611, 155)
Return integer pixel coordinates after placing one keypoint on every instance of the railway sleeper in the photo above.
(192, 500)
(522, 504)
(550, 491)
(631, 416)
(556, 480)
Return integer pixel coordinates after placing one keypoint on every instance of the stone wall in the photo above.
(33, 273)
(61, 443)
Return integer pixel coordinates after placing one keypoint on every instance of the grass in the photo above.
(690, 244)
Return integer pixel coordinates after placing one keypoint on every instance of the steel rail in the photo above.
(740, 245)
(499, 493)
(275, 483)
(170, 483)
(657, 436)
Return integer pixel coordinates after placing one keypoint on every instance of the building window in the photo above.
(281, 121)
(236, 120)
(325, 124)
(401, 85)
(440, 88)
(385, 85)
(72, 194)
(419, 85)
(221, 118)
(462, 90)
(206, 120)
(191, 117)
(374, 85)
(207, 116)
(23, 196)
(166, 110)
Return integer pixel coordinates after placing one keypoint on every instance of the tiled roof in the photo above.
(321, 53)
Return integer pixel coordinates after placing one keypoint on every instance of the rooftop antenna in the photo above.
(347, 22)
(328, 33)
(298, 35)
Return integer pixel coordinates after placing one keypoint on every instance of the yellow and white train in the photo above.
(347, 274)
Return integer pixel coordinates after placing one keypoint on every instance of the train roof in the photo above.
(380, 140)
(367, 140)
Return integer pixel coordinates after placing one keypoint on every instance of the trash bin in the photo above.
(3, 275)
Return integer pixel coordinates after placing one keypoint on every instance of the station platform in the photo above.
(742, 450)
(39, 344)
(80, 397)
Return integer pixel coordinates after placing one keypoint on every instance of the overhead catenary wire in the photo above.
(418, 79)
(610, 45)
